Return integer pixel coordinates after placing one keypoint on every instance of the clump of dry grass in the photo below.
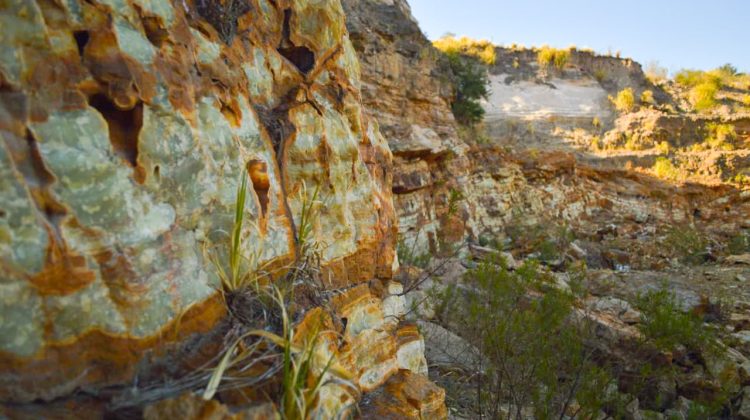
(552, 57)
(480, 49)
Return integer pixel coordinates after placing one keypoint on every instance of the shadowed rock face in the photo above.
(125, 127)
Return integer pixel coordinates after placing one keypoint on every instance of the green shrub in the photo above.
(551, 57)
(665, 324)
(664, 169)
(625, 100)
(410, 256)
(741, 179)
(663, 148)
(720, 136)
(600, 75)
(687, 243)
(647, 97)
(468, 59)
(739, 243)
(703, 86)
(547, 238)
(534, 352)
(703, 96)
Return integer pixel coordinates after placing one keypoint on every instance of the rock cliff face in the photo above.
(406, 86)
(536, 162)
(125, 127)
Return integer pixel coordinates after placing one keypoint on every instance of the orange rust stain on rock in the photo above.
(63, 273)
(97, 359)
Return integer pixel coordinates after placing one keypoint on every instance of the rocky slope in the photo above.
(561, 175)
(125, 128)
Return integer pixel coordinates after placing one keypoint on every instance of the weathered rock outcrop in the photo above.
(406, 86)
(125, 127)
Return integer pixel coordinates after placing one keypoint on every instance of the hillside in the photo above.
(306, 209)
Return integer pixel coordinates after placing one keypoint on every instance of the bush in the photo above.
(546, 238)
(739, 243)
(482, 50)
(664, 169)
(533, 347)
(647, 97)
(666, 325)
(663, 148)
(551, 57)
(720, 136)
(410, 256)
(625, 100)
(741, 179)
(703, 86)
(468, 59)
(703, 96)
(687, 243)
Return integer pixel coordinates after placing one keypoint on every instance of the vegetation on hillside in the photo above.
(482, 50)
(549, 57)
(532, 343)
(468, 59)
(704, 87)
(624, 101)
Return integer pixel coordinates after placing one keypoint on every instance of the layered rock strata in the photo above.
(406, 86)
(126, 127)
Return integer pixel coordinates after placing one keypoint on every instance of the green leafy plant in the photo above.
(533, 350)
(664, 168)
(235, 270)
(409, 255)
(303, 373)
(703, 96)
(665, 324)
(687, 243)
(471, 87)
(739, 243)
(547, 238)
(720, 136)
(455, 197)
(468, 60)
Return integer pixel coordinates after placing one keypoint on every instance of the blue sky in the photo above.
(678, 34)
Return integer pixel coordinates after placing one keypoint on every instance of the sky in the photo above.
(675, 33)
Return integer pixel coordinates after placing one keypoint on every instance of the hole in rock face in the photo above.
(258, 172)
(124, 126)
(82, 38)
(302, 57)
